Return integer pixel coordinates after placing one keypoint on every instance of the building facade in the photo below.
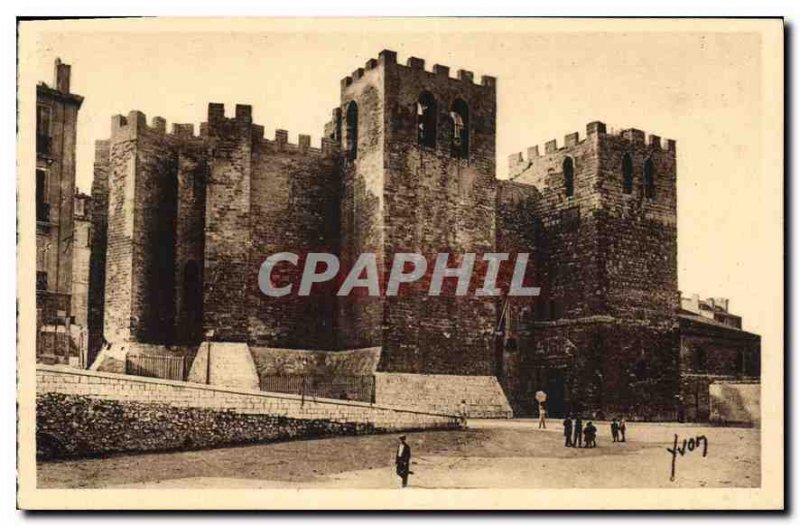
(56, 129)
(81, 254)
(182, 222)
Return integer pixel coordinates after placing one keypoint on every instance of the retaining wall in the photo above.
(240, 415)
(443, 393)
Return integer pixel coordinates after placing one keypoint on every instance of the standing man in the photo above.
(614, 430)
(622, 428)
(567, 431)
(577, 440)
(590, 435)
(403, 460)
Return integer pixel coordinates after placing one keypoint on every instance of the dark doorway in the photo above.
(555, 389)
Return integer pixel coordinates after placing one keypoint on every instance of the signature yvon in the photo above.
(687, 447)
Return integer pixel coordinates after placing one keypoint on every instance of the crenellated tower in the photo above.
(606, 260)
(419, 176)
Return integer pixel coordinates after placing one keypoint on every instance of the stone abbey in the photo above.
(182, 221)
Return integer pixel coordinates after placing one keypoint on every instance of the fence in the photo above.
(165, 367)
(359, 388)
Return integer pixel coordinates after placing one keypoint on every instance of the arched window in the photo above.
(426, 120)
(192, 292)
(569, 177)
(627, 174)
(459, 115)
(649, 180)
(352, 130)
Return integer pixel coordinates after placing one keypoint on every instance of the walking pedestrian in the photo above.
(614, 430)
(403, 460)
(567, 431)
(463, 413)
(577, 440)
(622, 428)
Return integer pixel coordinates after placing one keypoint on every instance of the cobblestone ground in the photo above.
(490, 454)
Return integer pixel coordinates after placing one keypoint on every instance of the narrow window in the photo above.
(41, 280)
(459, 115)
(426, 120)
(42, 208)
(198, 185)
(43, 129)
(627, 174)
(352, 130)
(649, 180)
(569, 177)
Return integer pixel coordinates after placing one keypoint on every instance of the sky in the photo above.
(702, 84)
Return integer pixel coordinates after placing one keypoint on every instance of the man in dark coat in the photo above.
(577, 440)
(590, 435)
(622, 429)
(403, 460)
(567, 431)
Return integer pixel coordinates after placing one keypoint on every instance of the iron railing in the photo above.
(164, 367)
(359, 388)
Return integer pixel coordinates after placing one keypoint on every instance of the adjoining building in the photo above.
(56, 128)
(719, 362)
(182, 222)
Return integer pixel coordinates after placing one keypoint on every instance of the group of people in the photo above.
(578, 435)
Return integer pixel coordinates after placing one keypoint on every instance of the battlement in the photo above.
(389, 58)
(328, 147)
(131, 126)
(135, 123)
(518, 162)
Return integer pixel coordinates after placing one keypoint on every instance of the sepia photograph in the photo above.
(401, 263)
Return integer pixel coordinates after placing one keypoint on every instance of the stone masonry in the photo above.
(407, 164)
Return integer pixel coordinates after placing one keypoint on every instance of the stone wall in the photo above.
(192, 177)
(602, 250)
(735, 402)
(243, 415)
(362, 206)
(603, 335)
(227, 217)
(294, 208)
(600, 366)
(97, 259)
(286, 362)
(439, 202)
(440, 393)
(78, 426)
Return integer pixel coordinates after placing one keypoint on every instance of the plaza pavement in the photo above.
(489, 454)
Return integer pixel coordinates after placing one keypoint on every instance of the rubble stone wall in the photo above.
(187, 413)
